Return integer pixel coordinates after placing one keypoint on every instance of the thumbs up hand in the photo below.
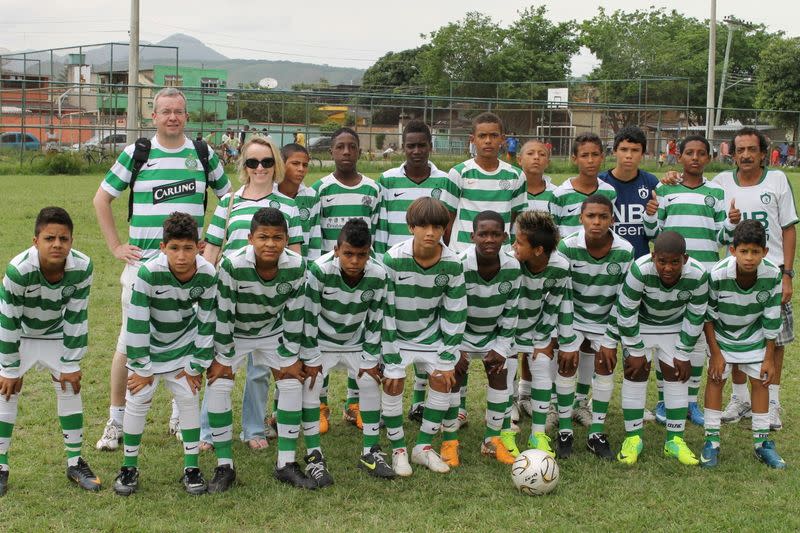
(734, 215)
(652, 205)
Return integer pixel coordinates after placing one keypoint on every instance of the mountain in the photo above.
(193, 52)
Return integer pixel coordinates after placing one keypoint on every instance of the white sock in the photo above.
(741, 392)
(116, 413)
(775, 394)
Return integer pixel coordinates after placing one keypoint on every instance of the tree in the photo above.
(395, 70)
(660, 43)
(778, 81)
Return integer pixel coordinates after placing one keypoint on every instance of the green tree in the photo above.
(778, 81)
(394, 70)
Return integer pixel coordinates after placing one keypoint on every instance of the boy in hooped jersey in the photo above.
(260, 312)
(44, 321)
(345, 298)
(170, 336)
(587, 154)
(660, 313)
(423, 323)
(744, 318)
(492, 284)
(696, 209)
(599, 260)
(342, 195)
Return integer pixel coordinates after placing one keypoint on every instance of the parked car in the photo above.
(16, 139)
(113, 142)
(320, 144)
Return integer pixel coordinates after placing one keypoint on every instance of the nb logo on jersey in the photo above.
(165, 193)
(644, 192)
(766, 198)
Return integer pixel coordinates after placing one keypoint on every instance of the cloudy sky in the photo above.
(353, 33)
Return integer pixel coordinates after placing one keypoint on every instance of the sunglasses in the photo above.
(267, 162)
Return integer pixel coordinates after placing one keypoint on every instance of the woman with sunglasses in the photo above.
(261, 169)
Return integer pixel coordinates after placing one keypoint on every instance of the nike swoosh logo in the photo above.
(218, 434)
(243, 287)
(671, 199)
(329, 200)
(32, 290)
(190, 448)
(570, 211)
(329, 293)
(637, 424)
(448, 425)
(704, 460)
(398, 194)
(128, 450)
(148, 165)
(159, 293)
(371, 466)
(403, 278)
(497, 418)
(721, 296)
(392, 434)
(578, 265)
(294, 431)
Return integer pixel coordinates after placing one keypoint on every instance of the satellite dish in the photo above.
(268, 83)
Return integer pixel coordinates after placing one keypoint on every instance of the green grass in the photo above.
(656, 494)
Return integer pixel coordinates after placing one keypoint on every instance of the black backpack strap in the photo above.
(141, 153)
(201, 147)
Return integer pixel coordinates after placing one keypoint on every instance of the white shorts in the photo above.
(126, 279)
(178, 387)
(751, 369)
(595, 339)
(40, 353)
(350, 361)
(264, 350)
(664, 346)
(426, 361)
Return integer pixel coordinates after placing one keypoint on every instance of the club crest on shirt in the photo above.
(68, 291)
(505, 184)
(366, 201)
(284, 288)
(762, 297)
(274, 204)
(613, 269)
(684, 296)
(644, 192)
(305, 214)
(441, 280)
(709, 201)
(195, 292)
(367, 295)
(191, 162)
(436, 193)
(766, 198)
(548, 283)
(504, 287)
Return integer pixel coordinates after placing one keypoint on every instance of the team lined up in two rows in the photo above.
(420, 302)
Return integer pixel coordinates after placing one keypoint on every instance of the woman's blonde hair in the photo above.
(279, 168)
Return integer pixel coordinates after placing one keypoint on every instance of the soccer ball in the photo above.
(534, 473)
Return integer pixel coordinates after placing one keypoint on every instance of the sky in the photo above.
(351, 34)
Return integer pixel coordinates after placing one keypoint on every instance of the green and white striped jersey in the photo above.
(491, 305)
(503, 190)
(397, 193)
(744, 319)
(342, 318)
(544, 200)
(699, 214)
(171, 180)
(770, 201)
(306, 201)
(595, 282)
(566, 204)
(31, 306)
(545, 307)
(249, 307)
(426, 307)
(171, 324)
(238, 225)
(646, 306)
(338, 203)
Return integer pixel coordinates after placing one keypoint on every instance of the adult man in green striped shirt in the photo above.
(170, 335)
(660, 313)
(260, 311)
(345, 298)
(599, 260)
(423, 324)
(43, 321)
(172, 162)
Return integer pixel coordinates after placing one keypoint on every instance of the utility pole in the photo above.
(732, 23)
(133, 75)
(712, 62)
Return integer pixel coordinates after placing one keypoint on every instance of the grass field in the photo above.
(657, 494)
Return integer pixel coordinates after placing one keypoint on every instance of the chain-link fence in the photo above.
(89, 116)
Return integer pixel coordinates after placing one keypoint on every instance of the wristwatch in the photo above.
(788, 272)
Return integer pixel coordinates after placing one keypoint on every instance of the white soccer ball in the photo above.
(534, 473)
